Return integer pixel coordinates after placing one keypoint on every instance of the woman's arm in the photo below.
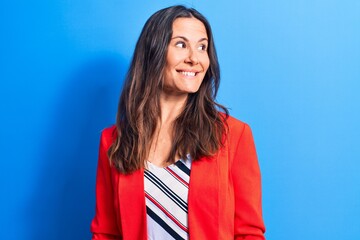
(249, 223)
(104, 225)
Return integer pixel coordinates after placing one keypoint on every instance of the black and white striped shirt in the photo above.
(166, 197)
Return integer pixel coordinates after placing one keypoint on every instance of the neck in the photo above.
(171, 106)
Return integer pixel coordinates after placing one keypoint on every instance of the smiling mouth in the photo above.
(188, 73)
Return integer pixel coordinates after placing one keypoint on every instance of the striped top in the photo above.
(166, 197)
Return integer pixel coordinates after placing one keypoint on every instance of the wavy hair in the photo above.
(200, 127)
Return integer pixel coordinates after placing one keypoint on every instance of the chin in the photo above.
(192, 90)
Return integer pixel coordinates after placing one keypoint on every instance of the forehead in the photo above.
(189, 27)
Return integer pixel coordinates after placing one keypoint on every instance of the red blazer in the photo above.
(224, 199)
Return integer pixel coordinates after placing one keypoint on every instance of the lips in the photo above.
(188, 73)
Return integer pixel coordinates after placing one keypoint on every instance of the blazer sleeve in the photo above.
(246, 177)
(104, 225)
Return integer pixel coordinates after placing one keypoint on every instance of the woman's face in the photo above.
(187, 57)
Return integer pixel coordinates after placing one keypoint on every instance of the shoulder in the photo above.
(108, 136)
(236, 126)
(238, 132)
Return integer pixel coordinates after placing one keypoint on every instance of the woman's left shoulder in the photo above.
(235, 125)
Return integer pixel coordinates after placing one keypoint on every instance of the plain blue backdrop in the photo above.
(291, 69)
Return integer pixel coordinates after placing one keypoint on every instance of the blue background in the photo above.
(291, 69)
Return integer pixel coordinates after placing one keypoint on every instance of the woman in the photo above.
(175, 165)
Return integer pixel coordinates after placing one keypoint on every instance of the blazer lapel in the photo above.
(203, 201)
(132, 205)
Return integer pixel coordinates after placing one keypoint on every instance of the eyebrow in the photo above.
(187, 40)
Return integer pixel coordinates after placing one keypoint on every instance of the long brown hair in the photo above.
(197, 131)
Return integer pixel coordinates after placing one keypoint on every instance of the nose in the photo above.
(192, 57)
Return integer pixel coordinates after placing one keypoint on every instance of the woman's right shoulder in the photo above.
(108, 136)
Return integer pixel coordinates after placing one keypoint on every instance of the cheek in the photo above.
(173, 58)
(206, 63)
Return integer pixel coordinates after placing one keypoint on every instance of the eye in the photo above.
(202, 47)
(180, 44)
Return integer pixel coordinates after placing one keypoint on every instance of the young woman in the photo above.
(176, 165)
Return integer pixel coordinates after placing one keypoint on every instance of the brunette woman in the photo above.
(176, 165)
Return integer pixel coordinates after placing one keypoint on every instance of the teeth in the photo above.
(191, 74)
